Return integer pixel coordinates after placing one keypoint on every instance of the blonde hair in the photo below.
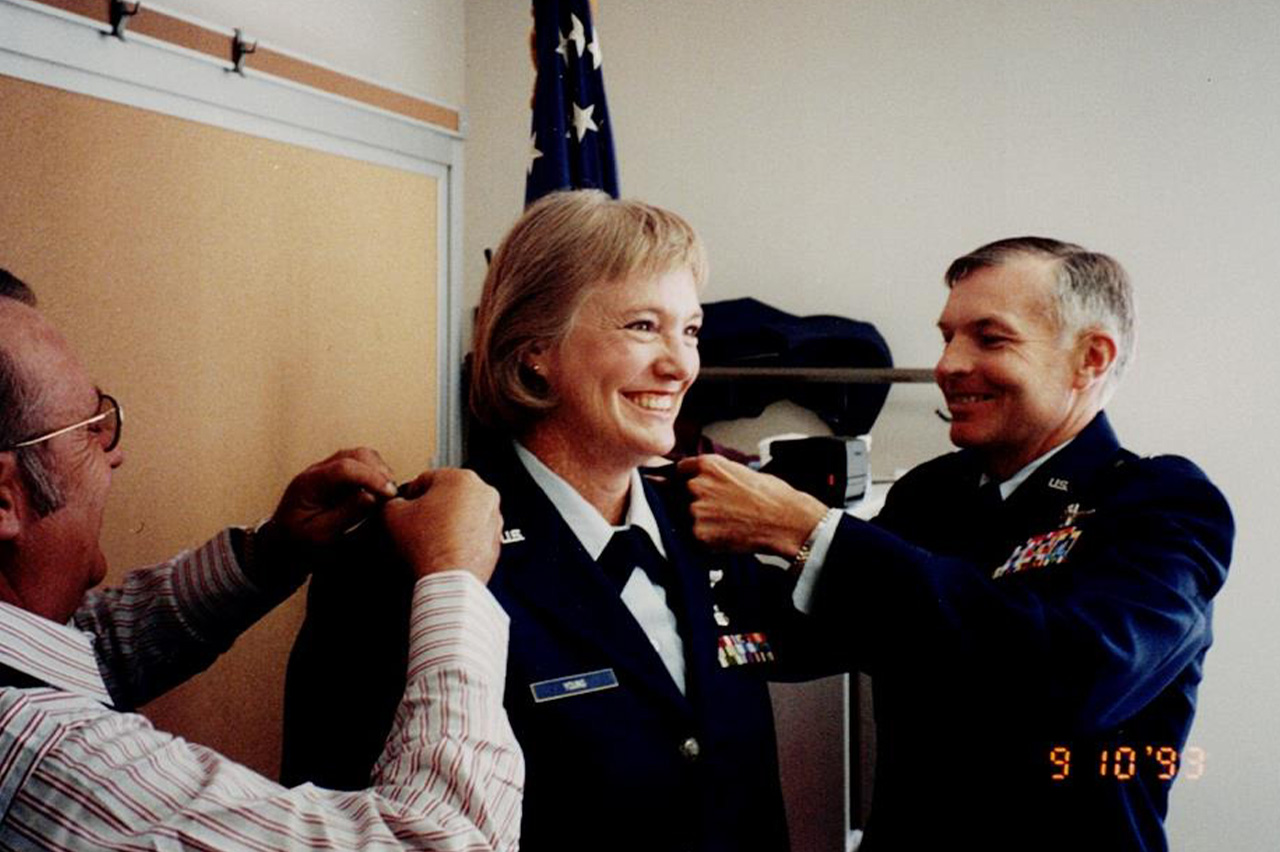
(563, 246)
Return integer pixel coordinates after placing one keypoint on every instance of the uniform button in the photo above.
(689, 749)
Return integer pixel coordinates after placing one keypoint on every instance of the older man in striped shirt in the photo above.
(77, 772)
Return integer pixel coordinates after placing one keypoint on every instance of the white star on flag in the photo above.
(569, 104)
(582, 121)
(594, 50)
(578, 35)
(534, 153)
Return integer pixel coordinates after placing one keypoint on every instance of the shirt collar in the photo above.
(57, 654)
(586, 522)
(1011, 484)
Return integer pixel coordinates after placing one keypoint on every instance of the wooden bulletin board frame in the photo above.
(178, 309)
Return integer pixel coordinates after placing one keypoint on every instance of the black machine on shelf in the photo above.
(831, 468)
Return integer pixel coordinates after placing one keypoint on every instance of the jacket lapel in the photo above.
(692, 601)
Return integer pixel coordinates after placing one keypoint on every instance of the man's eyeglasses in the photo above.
(106, 426)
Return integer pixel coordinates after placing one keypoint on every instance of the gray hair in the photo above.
(19, 407)
(1091, 289)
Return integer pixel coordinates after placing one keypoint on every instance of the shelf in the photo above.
(828, 375)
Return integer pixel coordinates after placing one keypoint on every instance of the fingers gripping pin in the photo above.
(405, 490)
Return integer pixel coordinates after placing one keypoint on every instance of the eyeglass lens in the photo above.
(108, 429)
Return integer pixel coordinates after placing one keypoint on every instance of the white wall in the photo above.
(836, 155)
(412, 45)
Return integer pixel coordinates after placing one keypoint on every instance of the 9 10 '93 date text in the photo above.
(1127, 762)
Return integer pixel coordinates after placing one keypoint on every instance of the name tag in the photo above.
(579, 684)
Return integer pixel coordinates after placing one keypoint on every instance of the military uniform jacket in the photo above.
(1034, 664)
(616, 758)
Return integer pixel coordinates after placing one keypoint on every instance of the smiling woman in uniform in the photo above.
(637, 662)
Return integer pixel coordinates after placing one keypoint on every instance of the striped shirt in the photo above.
(77, 774)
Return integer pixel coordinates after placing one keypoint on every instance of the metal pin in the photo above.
(402, 490)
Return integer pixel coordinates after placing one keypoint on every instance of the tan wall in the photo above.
(254, 306)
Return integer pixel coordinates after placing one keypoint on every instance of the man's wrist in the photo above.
(268, 560)
(805, 552)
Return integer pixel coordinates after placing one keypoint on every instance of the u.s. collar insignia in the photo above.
(1049, 548)
(512, 535)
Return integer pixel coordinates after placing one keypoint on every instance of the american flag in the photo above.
(571, 146)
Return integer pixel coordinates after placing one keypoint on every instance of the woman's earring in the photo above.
(532, 376)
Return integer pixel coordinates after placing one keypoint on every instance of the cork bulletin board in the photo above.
(254, 305)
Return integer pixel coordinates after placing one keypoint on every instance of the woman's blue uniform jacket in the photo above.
(616, 757)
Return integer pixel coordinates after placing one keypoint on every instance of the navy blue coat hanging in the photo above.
(749, 333)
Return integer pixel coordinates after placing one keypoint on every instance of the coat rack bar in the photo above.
(830, 375)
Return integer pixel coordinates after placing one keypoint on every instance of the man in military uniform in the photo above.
(1034, 609)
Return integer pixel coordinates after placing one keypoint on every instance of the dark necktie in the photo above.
(628, 550)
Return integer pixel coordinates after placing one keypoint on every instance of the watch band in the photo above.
(806, 549)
